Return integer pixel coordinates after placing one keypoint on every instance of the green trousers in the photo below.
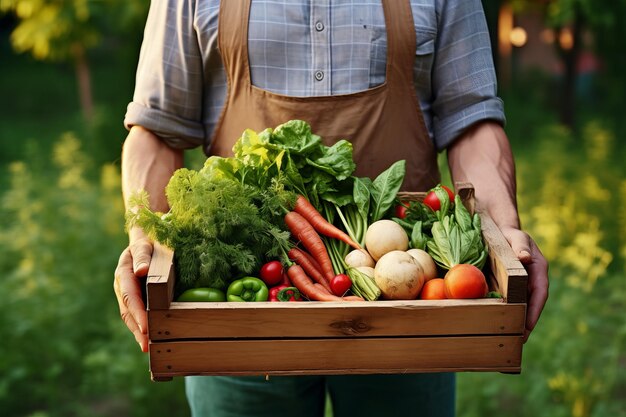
(423, 395)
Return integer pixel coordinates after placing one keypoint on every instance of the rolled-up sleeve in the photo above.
(463, 77)
(168, 88)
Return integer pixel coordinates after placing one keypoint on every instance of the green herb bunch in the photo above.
(219, 228)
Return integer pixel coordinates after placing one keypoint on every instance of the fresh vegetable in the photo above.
(306, 286)
(385, 236)
(314, 292)
(401, 210)
(310, 267)
(465, 281)
(289, 294)
(363, 284)
(359, 257)
(218, 228)
(399, 276)
(202, 294)
(457, 239)
(426, 262)
(340, 284)
(367, 270)
(320, 224)
(284, 293)
(434, 289)
(302, 230)
(271, 273)
(436, 195)
(247, 289)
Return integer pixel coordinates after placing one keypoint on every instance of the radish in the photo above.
(385, 236)
(359, 257)
(399, 276)
(426, 262)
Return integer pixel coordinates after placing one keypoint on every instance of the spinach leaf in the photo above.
(385, 189)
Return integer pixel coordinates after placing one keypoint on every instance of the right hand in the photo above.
(133, 265)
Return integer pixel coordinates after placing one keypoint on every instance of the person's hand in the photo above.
(537, 267)
(133, 265)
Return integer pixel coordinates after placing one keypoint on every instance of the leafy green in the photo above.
(385, 190)
(457, 238)
(220, 229)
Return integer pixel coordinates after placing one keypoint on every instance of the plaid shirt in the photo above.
(311, 48)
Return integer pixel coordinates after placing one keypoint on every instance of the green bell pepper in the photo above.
(202, 294)
(247, 289)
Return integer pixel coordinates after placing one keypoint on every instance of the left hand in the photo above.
(536, 265)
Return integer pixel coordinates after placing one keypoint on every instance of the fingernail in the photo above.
(140, 266)
(524, 254)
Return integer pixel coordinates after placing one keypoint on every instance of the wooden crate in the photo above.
(318, 338)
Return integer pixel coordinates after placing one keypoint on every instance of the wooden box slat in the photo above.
(332, 319)
(336, 356)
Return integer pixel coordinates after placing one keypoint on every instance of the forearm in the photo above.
(483, 157)
(148, 164)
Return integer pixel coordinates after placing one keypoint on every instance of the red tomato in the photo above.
(432, 201)
(272, 273)
(465, 281)
(340, 284)
(401, 211)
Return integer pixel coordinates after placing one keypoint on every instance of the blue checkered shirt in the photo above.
(311, 48)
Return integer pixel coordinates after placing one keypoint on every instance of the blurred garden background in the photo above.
(66, 75)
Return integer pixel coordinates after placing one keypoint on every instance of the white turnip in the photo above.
(359, 257)
(426, 262)
(385, 236)
(399, 276)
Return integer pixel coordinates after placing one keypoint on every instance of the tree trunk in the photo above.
(83, 75)
(570, 61)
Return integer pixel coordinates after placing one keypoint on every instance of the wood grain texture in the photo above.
(332, 319)
(336, 356)
(161, 276)
(509, 272)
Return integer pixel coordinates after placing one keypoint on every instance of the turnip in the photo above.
(399, 276)
(385, 236)
(367, 270)
(359, 257)
(426, 262)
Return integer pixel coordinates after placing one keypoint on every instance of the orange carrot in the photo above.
(302, 230)
(310, 290)
(302, 258)
(320, 224)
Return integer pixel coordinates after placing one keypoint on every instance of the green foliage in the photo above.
(64, 347)
(575, 207)
(52, 29)
(220, 229)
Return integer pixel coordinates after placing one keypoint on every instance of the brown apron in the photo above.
(384, 123)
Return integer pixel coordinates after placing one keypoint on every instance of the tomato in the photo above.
(401, 211)
(432, 201)
(465, 281)
(271, 273)
(340, 284)
(202, 294)
(433, 289)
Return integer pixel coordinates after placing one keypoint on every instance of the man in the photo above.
(401, 79)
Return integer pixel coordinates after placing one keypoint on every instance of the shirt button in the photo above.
(319, 75)
(319, 26)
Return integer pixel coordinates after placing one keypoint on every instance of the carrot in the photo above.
(302, 230)
(309, 267)
(311, 259)
(302, 282)
(320, 224)
(312, 291)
